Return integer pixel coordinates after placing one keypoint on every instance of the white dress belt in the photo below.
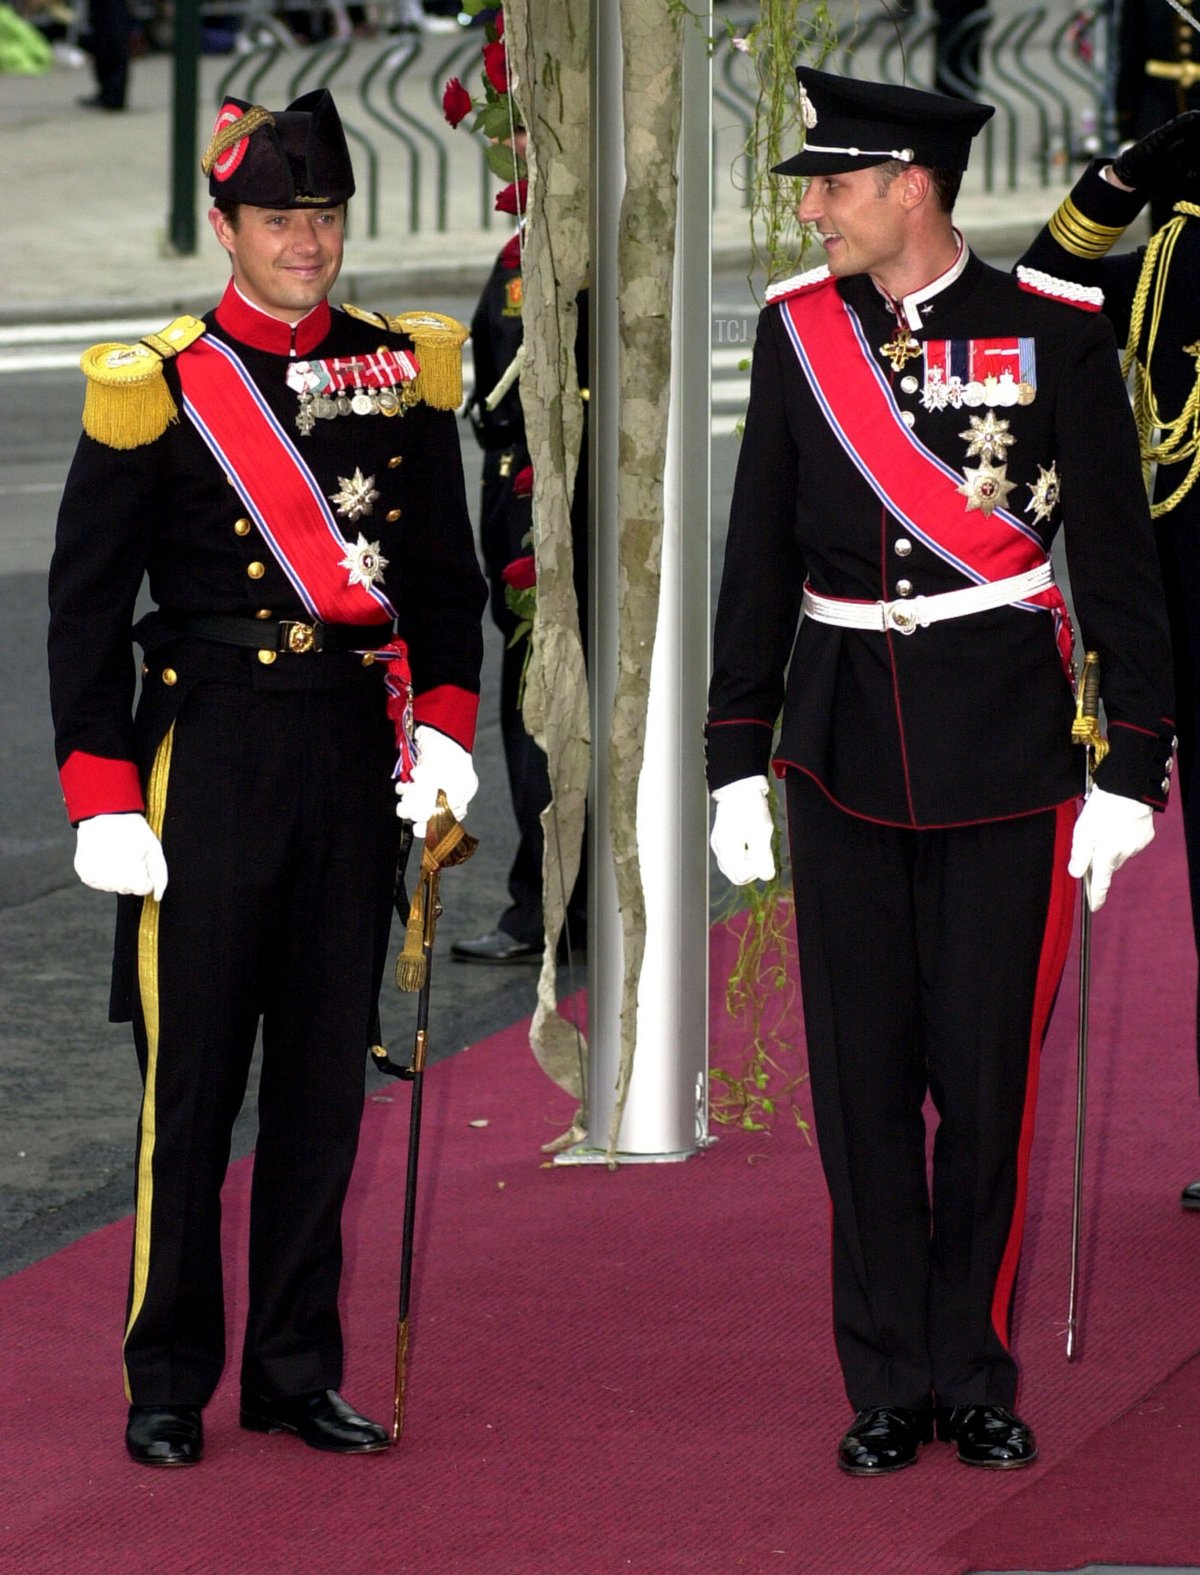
(907, 613)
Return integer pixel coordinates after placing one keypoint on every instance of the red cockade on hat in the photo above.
(224, 166)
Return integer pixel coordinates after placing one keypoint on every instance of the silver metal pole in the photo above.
(666, 1111)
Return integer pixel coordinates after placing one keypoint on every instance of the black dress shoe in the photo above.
(496, 948)
(94, 101)
(987, 1435)
(1190, 1196)
(884, 1438)
(321, 1419)
(164, 1435)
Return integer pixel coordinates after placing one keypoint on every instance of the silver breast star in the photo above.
(988, 437)
(357, 495)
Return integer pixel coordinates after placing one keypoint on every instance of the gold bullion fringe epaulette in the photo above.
(127, 403)
(1081, 236)
(439, 341)
(797, 283)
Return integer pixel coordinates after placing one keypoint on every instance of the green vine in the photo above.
(760, 997)
(760, 993)
(787, 31)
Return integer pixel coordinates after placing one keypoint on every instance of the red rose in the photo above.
(456, 102)
(498, 24)
(512, 198)
(521, 573)
(523, 483)
(495, 64)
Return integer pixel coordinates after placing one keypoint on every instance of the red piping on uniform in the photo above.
(779, 766)
(1056, 940)
(740, 721)
(1134, 728)
(908, 798)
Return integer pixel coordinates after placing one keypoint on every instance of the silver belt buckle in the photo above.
(901, 616)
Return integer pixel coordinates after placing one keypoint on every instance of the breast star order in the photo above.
(988, 437)
(365, 562)
(1045, 494)
(986, 488)
(357, 494)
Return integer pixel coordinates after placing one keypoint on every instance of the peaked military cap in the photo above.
(290, 158)
(852, 125)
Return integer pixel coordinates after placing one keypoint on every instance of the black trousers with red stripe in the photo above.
(280, 836)
(929, 963)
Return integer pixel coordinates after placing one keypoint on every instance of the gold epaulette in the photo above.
(376, 319)
(439, 341)
(1080, 234)
(127, 403)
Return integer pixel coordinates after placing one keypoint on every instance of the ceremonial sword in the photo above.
(1085, 730)
(446, 844)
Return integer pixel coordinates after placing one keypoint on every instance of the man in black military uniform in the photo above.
(1155, 301)
(1157, 72)
(505, 523)
(919, 427)
(287, 478)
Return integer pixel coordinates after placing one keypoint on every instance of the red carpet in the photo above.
(632, 1372)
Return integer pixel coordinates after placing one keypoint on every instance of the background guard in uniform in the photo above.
(920, 425)
(286, 477)
(505, 523)
(1164, 167)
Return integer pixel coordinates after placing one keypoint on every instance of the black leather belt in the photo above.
(285, 634)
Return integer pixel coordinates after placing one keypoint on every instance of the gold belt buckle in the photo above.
(299, 638)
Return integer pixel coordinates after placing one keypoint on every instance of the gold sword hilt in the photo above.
(1085, 729)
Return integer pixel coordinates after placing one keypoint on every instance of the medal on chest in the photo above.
(383, 384)
(900, 349)
(978, 372)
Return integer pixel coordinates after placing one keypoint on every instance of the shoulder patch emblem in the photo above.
(127, 403)
(796, 284)
(1088, 298)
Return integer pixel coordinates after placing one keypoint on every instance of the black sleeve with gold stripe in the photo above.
(1083, 229)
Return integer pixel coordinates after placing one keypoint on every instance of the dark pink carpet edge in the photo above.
(632, 1371)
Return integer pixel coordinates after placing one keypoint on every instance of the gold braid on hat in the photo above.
(1178, 439)
(254, 119)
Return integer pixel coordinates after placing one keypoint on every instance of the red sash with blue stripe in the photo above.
(279, 491)
(909, 480)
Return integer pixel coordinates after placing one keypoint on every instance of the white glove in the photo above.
(120, 853)
(742, 831)
(1110, 829)
(441, 763)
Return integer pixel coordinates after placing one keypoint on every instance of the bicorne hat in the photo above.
(852, 125)
(290, 158)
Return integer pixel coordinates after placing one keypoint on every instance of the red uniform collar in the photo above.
(250, 325)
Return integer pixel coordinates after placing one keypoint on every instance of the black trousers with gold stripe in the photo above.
(929, 963)
(278, 823)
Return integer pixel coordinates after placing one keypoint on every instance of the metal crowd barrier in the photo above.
(1036, 67)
